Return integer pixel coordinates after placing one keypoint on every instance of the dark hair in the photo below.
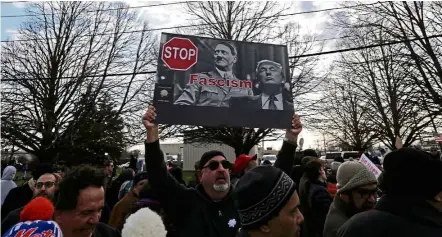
(77, 179)
(177, 173)
(126, 174)
(230, 46)
(41, 169)
(312, 168)
(310, 152)
(208, 156)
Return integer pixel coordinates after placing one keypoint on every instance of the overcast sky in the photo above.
(173, 15)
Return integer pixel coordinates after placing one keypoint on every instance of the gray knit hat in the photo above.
(352, 174)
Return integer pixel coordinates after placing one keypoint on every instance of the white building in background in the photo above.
(192, 152)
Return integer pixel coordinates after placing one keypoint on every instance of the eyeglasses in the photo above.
(366, 193)
(46, 184)
(213, 165)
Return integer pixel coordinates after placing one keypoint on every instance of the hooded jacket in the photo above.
(7, 182)
(191, 209)
(395, 216)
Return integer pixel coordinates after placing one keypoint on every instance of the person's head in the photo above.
(108, 168)
(127, 174)
(225, 56)
(315, 170)
(357, 186)
(79, 201)
(270, 77)
(9, 173)
(177, 173)
(266, 162)
(214, 174)
(196, 165)
(138, 182)
(426, 178)
(310, 152)
(36, 228)
(272, 210)
(434, 151)
(46, 185)
(244, 163)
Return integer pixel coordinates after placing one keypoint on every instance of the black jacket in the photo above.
(11, 219)
(104, 230)
(395, 216)
(192, 211)
(18, 197)
(316, 202)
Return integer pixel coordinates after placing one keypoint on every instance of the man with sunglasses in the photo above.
(45, 186)
(357, 192)
(207, 210)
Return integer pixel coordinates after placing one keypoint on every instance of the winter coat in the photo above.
(121, 210)
(7, 182)
(336, 217)
(11, 219)
(103, 230)
(395, 216)
(316, 202)
(17, 197)
(190, 209)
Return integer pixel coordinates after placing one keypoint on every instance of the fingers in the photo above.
(150, 114)
(296, 121)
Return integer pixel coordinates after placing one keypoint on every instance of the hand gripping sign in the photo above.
(179, 54)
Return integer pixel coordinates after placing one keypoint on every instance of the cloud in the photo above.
(19, 4)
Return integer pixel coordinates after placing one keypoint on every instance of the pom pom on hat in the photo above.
(144, 223)
(39, 208)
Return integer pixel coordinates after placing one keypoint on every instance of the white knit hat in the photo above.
(352, 174)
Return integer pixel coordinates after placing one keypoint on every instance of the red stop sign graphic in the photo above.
(179, 54)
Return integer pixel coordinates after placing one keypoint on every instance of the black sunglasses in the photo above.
(213, 165)
(46, 184)
(366, 193)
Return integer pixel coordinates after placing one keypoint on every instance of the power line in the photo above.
(13, 1)
(364, 47)
(291, 57)
(205, 24)
(102, 10)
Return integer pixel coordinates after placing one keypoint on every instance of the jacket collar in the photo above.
(342, 206)
(411, 207)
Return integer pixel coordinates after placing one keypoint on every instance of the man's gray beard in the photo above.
(221, 187)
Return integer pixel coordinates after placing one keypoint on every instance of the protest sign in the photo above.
(214, 82)
(370, 165)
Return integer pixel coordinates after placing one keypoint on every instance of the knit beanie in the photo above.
(138, 177)
(208, 156)
(35, 228)
(411, 173)
(271, 189)
(352, 174)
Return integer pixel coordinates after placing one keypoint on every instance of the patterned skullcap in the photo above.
(270, 187)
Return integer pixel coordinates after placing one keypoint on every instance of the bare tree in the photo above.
(345, 117)
(413, 20)
(384, 81)
(236, 20)
(66, 59)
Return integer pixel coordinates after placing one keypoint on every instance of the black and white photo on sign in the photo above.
(229, 79)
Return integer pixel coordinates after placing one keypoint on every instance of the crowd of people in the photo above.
(295, 197)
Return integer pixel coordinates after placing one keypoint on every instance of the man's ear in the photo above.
(265, 228)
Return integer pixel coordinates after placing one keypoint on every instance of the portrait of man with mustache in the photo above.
(215, 88)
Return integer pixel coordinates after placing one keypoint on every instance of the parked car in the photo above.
(271, 158)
